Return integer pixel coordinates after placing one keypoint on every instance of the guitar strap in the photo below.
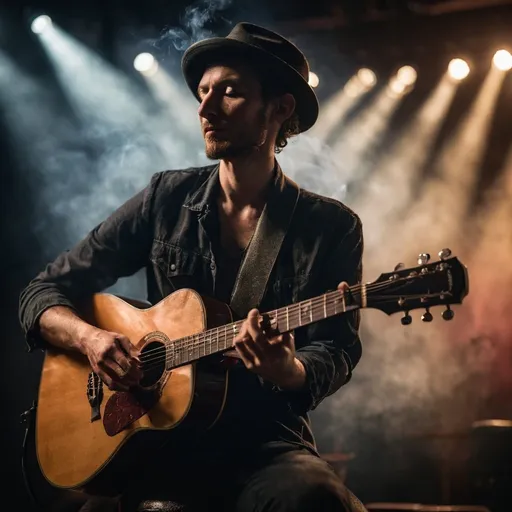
(253, 275)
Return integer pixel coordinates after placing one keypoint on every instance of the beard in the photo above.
(252, 139)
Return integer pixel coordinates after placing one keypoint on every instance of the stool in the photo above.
(160, 506)
(417, 507)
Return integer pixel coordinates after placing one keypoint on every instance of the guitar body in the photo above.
(76, 452)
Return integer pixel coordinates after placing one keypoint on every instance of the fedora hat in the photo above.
(270, 53)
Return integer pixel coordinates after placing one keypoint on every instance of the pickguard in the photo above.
(125, 407)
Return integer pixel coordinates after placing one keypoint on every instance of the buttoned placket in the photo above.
(207, 221)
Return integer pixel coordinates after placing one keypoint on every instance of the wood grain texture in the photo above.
(71, 449)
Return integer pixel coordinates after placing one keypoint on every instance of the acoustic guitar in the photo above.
(85, 433)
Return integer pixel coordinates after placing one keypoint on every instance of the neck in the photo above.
(244, 180)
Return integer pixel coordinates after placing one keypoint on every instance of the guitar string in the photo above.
(315, 304)
(353, 290)
(156, 359)
(154, 363)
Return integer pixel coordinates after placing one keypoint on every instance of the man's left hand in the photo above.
(271, 357)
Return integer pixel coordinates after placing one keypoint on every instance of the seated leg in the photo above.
(296, 481)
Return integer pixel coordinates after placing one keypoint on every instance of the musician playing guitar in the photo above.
(192, 229)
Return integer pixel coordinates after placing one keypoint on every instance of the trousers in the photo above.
(280, 479)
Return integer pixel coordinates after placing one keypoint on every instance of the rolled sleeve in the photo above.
(117, 247)
(330, 349)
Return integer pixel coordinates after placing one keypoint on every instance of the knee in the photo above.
(301, 490)
(328, 496)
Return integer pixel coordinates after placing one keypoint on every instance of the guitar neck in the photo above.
(220, 339)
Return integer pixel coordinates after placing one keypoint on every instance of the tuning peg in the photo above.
(445, 254)
(423, 259)
(427, 316)
(399, 266)
(406, 319)
(448, 313)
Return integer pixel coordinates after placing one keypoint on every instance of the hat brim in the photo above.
(204, 53)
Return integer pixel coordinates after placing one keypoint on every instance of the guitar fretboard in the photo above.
(220, 339)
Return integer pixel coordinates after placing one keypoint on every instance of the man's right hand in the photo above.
(113, 357)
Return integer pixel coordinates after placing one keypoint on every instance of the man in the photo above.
(192, 228)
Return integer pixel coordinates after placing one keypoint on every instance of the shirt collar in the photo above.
(207, 192)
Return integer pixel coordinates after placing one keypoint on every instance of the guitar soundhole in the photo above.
(153, 363)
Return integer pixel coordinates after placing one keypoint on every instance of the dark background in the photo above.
(347, 35)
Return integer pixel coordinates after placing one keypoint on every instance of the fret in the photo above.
(215, 337)
(283, 320)
(167, 354)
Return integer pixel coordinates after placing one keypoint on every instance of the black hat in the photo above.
(280, 59)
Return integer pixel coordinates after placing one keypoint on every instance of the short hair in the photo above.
(291, 126)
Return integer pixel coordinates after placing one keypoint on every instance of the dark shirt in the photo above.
(171, 228)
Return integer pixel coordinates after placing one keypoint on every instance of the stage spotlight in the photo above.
(41, 23)
(407, 75)
(458, 69)
(313, 79)
(367, 77)
(503, 60)
(146, 64)
(397, 87)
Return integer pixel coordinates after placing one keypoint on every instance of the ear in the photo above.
(285, 107)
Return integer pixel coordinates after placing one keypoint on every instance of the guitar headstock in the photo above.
(442, 282)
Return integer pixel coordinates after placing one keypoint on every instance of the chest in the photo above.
(237, 228)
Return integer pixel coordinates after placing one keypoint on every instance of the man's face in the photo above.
(234, 118)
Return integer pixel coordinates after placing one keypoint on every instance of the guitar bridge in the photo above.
(94, 395)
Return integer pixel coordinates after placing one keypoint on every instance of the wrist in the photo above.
(83, 332)
(294, 378)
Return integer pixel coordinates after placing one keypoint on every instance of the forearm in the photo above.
(318, 373)
(61, 327)
(293, 380)
(117, 247)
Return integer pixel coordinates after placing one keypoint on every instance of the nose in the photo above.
(208, 108)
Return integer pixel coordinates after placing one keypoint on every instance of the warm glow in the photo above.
(146, 64)
(41, 23)
(407, 75)
(367, 77)
(397, 87)
(313, 79)
(503, 60)
(458, 69)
